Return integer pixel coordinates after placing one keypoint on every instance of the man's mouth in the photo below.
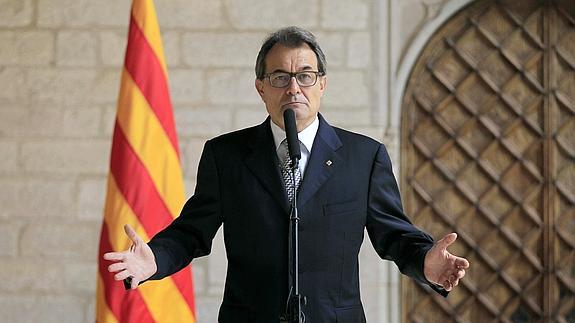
(295, 103)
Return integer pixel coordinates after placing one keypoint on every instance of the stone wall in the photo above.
(60, 62)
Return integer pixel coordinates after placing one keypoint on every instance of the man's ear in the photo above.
(259, 87)
(322, 84)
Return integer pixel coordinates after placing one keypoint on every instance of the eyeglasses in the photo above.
(303, 79)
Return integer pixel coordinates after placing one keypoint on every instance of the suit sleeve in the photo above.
(191, 234)
(392, 234)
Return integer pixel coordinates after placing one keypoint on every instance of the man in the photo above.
(347, 185)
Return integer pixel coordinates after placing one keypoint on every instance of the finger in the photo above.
(444, 280)
(122, 275)
(132, 234)
(460, 273)
(447, 285)
(447, 240)
(117, 267)
(114, 255)
(461, 263)
(455, 283)
(453, 279)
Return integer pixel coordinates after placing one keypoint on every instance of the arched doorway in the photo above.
(488, 151)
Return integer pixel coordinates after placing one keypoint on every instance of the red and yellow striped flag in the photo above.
(145, 186)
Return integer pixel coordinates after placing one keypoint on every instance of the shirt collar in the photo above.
(306, 136)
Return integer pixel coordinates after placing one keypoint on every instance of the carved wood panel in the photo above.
(488, 151)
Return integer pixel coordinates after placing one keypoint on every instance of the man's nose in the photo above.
(293, 87)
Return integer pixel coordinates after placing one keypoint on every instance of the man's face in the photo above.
(304, 101)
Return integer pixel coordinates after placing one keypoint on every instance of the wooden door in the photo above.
(488, 151)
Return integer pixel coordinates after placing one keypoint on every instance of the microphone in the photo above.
(291, 135)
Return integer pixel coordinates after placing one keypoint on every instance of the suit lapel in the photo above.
(262, 162)
(322, 163)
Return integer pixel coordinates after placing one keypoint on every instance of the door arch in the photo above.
(488, 151)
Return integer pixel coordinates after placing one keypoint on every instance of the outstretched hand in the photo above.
(137, 263)
(443, 268)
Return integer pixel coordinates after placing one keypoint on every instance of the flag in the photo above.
(145, 186)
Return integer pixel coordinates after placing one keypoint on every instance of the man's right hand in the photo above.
(137, 263)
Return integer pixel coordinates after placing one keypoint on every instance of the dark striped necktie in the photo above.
(287, 174)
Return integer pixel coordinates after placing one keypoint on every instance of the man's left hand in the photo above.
(443, 268)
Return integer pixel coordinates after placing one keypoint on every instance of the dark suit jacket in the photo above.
(239, 185)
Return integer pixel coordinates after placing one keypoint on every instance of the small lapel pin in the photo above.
(328, 162)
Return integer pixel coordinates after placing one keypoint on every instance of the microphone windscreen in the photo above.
(291, 134)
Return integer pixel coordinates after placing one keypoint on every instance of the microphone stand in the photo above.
(296, 301)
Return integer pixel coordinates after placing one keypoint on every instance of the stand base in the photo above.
(295, 310)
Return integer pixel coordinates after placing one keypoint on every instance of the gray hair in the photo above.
(291, 37)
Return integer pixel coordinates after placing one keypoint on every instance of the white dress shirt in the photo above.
(306, 138)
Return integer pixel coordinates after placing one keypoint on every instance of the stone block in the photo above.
(256, 14)
(186, 86)
(12, 120)
(190, 159)
(41, 308)
(50, 85)
(190, 184)
(13, 89)
(346, 89)
(108, 120)
(113, 47)
(376, 133)
(207, 308)
(221, 49)
(370, 264)
(171, 41)
(9, 153)
(43, 121)
(359, 50)
(76, 241)
(80, 122)
(202, 122)
(104, 88)
(78, 277)
(247, 117)
(83, 13)
(36, 198)
(347, 118)
(333, 46)
(26, 48)
(394, 276)
(342, 14)
(16, 13)
(76, 48)
(394, 313)
(91, 310)
(216, 268)
(91, 198)
(199, 273)
(371, 302)
(89, 86)
(66, 156)
(190, 14)
(232, 87)
(9, 237)
(26, 274)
